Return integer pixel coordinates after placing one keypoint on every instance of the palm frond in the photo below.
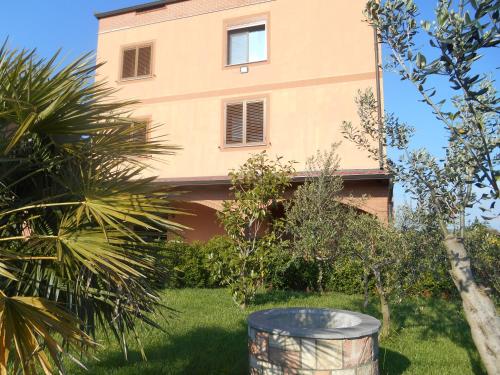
(28, 325)
(77, 215)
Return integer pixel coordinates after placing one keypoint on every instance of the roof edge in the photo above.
(347, 175)
(134, 8)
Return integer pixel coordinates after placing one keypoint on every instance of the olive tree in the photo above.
(326, 227)
(384, 253)
(467, 175)
(314, 214)
(257, 187)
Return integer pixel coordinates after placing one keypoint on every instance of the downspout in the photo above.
(381, 138)
(379, 100)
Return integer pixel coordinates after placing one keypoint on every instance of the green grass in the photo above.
(208, 336)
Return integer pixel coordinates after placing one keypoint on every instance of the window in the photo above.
(245, 123)
(136, 62)
(247, 44)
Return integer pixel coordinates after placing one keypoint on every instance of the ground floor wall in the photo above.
(200, 204)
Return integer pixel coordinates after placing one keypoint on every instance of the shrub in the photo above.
(484, 245)
(194, 265)
(185, 265)
(218, 253)
(346, 276)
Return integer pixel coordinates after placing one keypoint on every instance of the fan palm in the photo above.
(76, 215)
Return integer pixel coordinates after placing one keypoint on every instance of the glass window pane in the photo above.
(238, 47)
(258, 44)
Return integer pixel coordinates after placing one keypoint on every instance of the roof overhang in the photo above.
(347, 175)
(135, 8)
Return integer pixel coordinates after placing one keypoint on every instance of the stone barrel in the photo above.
(302, 341)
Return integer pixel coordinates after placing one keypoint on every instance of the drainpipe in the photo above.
(379, 99)
(390, 204)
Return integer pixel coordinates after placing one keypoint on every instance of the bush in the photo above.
(346, 276)
(434, 278)
(185, 265)
(218, 253)
(190, 265)
(483, 244)
(287, 273)
(205, 265)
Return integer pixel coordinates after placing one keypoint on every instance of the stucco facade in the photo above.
(319, 53)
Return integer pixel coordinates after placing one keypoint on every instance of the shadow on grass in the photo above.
(440, 317)
(434, 318)
(203, 351)
(391, 362)
(213, 350)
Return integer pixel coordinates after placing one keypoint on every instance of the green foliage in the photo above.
(185, 264)
(346, 275)
(257, 187)
(219, 252)
(75, 215)
(462, 33)
(468, 110)
(383, 253)
(291, 273)
(484, 245)
(314, 216)
(204, 265)
(429, 273)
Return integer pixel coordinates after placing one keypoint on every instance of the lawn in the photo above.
(208, 336)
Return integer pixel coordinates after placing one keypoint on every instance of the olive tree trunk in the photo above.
(384, 305)
(479, 309)
(367, 291)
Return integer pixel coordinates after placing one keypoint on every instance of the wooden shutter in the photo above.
(255, 122)
(128, 68)
(144, 61)
(234, 123)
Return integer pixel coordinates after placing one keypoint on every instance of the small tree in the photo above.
(445, 187)
(384, 254)
(315, 214)
(257, 187)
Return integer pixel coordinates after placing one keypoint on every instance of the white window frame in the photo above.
(242, 27)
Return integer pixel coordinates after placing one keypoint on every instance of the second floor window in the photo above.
(247, 44)
(136, 62)
(245, 123)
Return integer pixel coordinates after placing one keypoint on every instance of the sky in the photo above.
(70, 25)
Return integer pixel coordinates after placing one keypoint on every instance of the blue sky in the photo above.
(71, 26)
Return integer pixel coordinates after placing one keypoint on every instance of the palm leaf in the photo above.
(27, 324)
(76, 214)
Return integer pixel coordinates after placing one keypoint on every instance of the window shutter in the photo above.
(144, 61)
(255, 122)
(234, 123)
(128, 68)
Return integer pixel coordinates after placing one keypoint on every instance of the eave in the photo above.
(347, 175)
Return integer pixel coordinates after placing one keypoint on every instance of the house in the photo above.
(229, 78)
